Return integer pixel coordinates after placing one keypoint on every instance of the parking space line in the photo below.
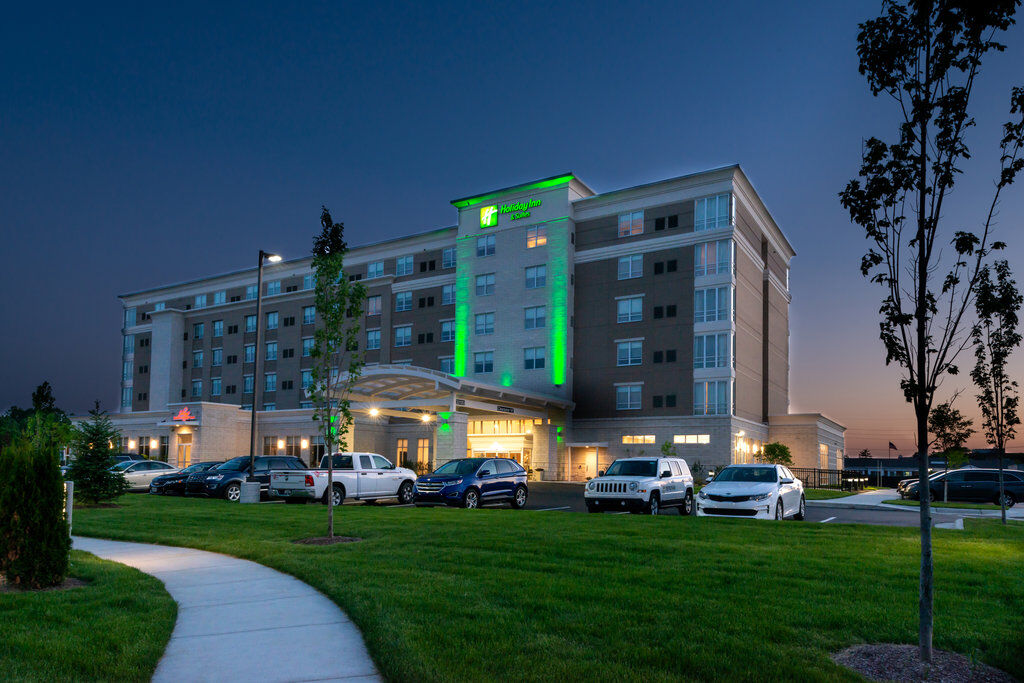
(826, 520)
(564, 507)
(402, 505)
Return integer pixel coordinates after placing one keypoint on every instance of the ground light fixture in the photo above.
(251, 487)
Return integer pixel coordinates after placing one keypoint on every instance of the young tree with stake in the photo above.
(925, 55)
(995, 338)
(337, 361)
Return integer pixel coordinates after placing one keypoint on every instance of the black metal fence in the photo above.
(813, 478)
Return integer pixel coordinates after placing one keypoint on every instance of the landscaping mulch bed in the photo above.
(891, 662)
(327, 540)
(69, 582)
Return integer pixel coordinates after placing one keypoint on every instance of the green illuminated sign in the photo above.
(489, 216)
(519, 209)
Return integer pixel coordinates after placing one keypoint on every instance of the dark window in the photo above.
(231, 360)
(657, 356)
(657, 401)
(659, 267)
(291, 288)
(427, 338)
(423, 266)
(670, 311)
(230, 389)
(670, 266)
(423, 301)
(143, 369)
(232, 329)
(670, 400)
(670, 356)
(420, 339)
(658, 312)
(287, 384)
(183, 393)
(288, 321)
(236, 297)
(659, 224)
(185, 336)
(288, 353)
(673, 221)
(433, 265)
(430, 299)
(184, 364)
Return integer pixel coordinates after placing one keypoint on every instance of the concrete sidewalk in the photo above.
(241, 621)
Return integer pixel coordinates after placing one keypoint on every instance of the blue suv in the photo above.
(472, 482)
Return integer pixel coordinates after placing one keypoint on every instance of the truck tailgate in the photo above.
(287, 483)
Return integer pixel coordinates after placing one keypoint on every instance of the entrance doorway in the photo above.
(512, 455)
(184, 450)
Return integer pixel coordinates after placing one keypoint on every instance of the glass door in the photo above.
(184, 450)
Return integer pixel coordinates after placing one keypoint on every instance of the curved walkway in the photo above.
(241, 621)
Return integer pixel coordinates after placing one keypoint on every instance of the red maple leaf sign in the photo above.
(184, 414)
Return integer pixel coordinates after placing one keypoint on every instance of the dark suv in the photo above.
(974, 486)
(472, 482)
(225, 481)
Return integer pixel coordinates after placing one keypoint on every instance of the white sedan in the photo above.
(759, 491)
(138, 473)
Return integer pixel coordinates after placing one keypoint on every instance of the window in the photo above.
(448, 365)
(629, 352)
(306, 378)
(270, 381)
(218, 328)
(401, 452)
(307, 347)
(485, 245)
(200, 301)
(447, 330)
(483, 362)
(423, 450)
(448, 258)
(711, 213)
(129, 344)
(217, 357)
(272, 320)
(534, 317)
(197, 388)
(691, 438)
(273, 288)
(533, 358)
(448, 294)
(630, 309)
(711, 350)
(485, 284)
(710, 258)
(631, 224)
(372, 339)
(536, 277)
(220, 298)
(159, 306)
(250, 323)
(711, 398)
(627, 397)
(247, 384)
(126, 371)
(823, 456)
(631, 266)
(375, 269)
(250, 353)
(637, 438)
(197, 359)
(426, 301)
(271, 351)
(373, 305)
(129, 317)
(403, 301)
(484, 323)
(403, 335)
(309, 314)
(711, 304)
(250, 292)
(126, 397)
(215, 385)
(403, 265)
(537, 236)
(308, 281)
(269, 406)
(197, 331)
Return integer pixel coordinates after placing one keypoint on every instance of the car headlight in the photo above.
(453, 483)
(632, 486)
(762, 496)
(214, 477)
(591, 484)
(702, 495)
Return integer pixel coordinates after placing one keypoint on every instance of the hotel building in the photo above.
(551, 324)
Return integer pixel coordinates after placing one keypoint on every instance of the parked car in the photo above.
(973, 486)
(360, 476)
(641, 485)
(902, 484)
(225, 481)
(175, 481)
(472, 482)
(123, 457)
(139, 473)
(761, 491)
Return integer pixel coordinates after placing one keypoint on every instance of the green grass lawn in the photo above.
(451, 594)
(826, 494)
(940, 504)
(113, 629)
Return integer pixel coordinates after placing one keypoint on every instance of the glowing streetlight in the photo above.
(273, 258)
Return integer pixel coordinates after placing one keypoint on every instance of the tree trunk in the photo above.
(330, 481)
(945, 481)
(1002, 501)
(926, 588)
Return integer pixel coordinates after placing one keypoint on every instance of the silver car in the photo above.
(138, 473)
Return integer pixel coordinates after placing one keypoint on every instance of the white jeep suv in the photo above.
(641, 485)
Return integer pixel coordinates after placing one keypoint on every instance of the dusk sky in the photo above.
(144, 146)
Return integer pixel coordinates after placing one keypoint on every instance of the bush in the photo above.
(92, 447)
(34, 539)
(776, 453)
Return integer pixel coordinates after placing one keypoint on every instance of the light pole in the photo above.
(272, 258)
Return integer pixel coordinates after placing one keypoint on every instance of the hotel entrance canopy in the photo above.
(409, 391)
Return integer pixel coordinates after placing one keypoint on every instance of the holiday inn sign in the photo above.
(489, 214)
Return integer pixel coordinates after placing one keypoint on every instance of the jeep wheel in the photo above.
(653, 504)
(799, 516)
(519, 498)
(471, 499)
(687, 508)
(233, 492)
(405, 493)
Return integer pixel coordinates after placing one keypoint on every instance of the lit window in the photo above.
(271, 350)
(269, 382)
(197, 388)
(159, 306)
(220, 298)
(631, 266)
(215, 384)
(485, 284)
(218, 328)
(307, 347)
(536, 277)
(448, 365)
(448, 258)
(273, 288)
(692, 438)
(627, 397)
(200, 301)
(375, 269)
(448, 294)
(447, 330)
(533, 358)
(197, 331)
(250, 353)
(711, 304)
(630, 309)
(483, 362)
(534, 317)
(484, 323)
(373, 305)
(711, 398)
(710, 258)
(629, 352)
(537, 236)
(372, 339)
(250, 323)
(403, 265)
(309, 314)
(637, 438)
(485, 245)
(711, 213)
(711, 350)
(403, 301)
(631, 224)
(403, 335)
(272, 320)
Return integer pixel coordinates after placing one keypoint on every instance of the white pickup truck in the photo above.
(359, 476)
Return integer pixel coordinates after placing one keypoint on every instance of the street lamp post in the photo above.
(272, 258)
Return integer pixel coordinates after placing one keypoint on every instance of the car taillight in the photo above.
(309, 480)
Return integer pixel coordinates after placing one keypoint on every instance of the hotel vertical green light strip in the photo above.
(463, 305)
(558, 270)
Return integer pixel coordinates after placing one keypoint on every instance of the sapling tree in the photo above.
(337, 360)
(925, 57)
(864, 453)
(995, 336)
(950, 429)
(777, 454)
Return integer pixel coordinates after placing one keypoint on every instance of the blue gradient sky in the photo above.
(145, 145)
